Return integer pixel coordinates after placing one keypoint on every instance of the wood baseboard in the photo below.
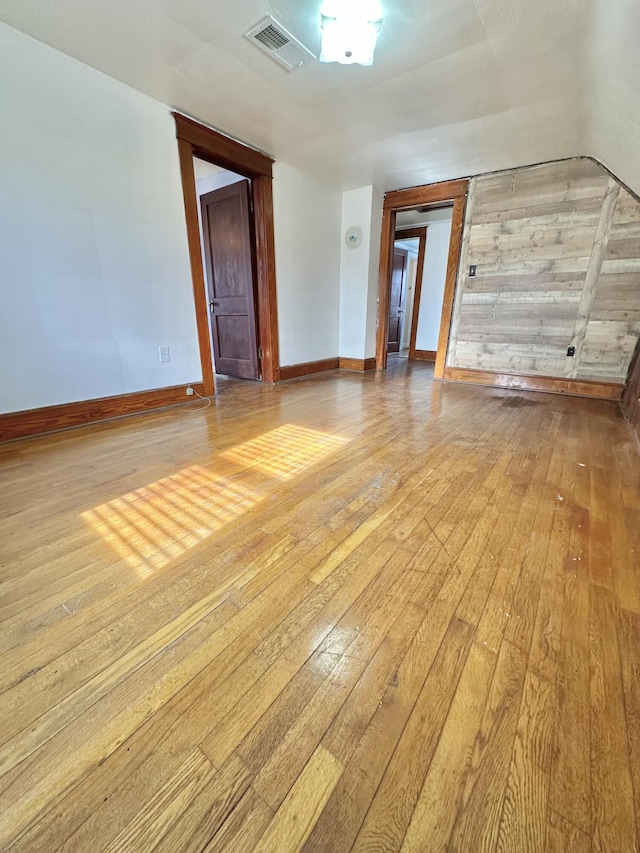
(361, 364)
(527, 382)
(424, 354)
(52, 418)
(308, 368)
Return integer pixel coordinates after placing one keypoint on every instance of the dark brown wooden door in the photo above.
(398, 278)
(229, 264)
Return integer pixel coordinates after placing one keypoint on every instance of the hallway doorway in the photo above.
(228, 257)
(425, 199)
(197, 140)
(426, 235)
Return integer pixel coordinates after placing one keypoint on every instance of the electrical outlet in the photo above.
(571, 351)
(190, 391)
(165, 354)
(472, 270)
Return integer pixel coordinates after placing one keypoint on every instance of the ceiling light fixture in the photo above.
(350, 30)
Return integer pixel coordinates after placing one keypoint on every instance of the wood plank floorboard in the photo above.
(352, 612)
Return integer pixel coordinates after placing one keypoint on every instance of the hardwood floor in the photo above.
(360, 612)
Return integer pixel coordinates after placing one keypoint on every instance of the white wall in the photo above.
(374, 267)
(433, 280)
(359, 273)
(408, 300)
(354, 273)
(412, 245)
(210, 178)
(94, 269)
(307, 238)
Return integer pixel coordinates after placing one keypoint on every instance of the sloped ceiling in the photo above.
(459, 87)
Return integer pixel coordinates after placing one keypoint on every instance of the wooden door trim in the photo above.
(441, 193)
(228, 152)
(447, 192)
(197, 140)
(453, 262)
(421, 234)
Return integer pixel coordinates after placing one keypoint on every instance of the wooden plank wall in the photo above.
(557, 255)
(631, 398)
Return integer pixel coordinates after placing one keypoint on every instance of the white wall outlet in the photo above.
(165, 354)
(189, 391)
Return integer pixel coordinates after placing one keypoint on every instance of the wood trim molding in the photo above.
(421, 234)
(426, 195)
(424, 354)
(185, 154)
(526, 382)
(227, 151)
(51, 418)
(448, 299)
(266, 278)
(384, 285)
(360, 364)
(308, 368)
(195, 139)
(452, 192)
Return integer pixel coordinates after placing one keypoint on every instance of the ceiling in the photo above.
(459, 87)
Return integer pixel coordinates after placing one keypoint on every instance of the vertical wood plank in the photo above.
(592, 276)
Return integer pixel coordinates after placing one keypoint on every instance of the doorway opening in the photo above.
(405, 253)
(407, 216)
(425, 234)
(198, 141)
(227, 237)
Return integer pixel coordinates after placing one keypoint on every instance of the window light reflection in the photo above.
(156, 523)
(285, 451)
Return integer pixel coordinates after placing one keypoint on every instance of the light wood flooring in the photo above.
(352, 612)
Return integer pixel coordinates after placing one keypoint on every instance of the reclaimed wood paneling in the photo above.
(557, 256)
(631, 399)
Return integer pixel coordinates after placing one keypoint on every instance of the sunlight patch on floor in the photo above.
(285, 451)
(156, 523)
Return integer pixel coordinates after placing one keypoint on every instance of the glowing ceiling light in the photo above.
(350, 30)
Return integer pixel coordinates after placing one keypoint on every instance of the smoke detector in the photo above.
(271, 37)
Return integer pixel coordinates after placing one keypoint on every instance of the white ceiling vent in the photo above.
(271, 37)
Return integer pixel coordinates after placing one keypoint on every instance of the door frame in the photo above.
(435, 195)
(421, 234)
(197, 140)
